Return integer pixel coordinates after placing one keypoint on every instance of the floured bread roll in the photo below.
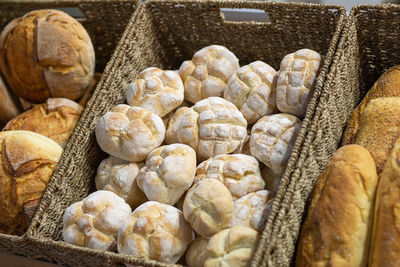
(238, 172)
(156, 90)
(253, 209)
(46, 53)
(155, 231)
(119, 176)
(129, 133)
(94, 221)
(252, 90)
(213, 126)
(169, 116)
(168, 173)
(196, 254)
(296, 79)
(271, 179)
(171, 135)
(272, 139)
(208, 207)
(208, 72)
(232, 247)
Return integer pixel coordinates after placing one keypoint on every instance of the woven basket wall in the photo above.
(164, 34)
(105, 21)
(369, 45)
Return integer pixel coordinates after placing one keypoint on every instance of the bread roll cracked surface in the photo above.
(197, 254)
(46, 53)
(129, 133)
(155, 231)
(337, 229)
(208, 72)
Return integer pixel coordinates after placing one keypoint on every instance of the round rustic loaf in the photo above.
(196, 254)
(208, 72)
(129, 133)
(46, 53)
(156, 90)
(252, 90)
(155, 231)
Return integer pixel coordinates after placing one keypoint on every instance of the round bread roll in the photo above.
(169, 116)
(119, 177)
(208, 72)
(94, 221)
(56, 119)
(156, 90)
(238, 172)
(196, 254)
(27, 161)
(272, 140)
(129, 133)
(155, 231)
(253, 209)
(252, 90)
(296, 79)
(213, 126)
(271, 179)
(168, 173)
(171, 135)
(232, 247)
(208, 207)
(46, 53)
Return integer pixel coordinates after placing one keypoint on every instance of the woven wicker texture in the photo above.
(105, 21)
(164, 34)
(369, 45)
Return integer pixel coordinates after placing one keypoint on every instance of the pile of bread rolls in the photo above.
(354, 215)
(185, 156)
(47, 63)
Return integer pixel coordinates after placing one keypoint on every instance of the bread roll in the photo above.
(386, 86)
(336, 231)
(385, 240)
(380, 128)
(9, 107)
(296, 80)
(155, 231)
(169, 116)
(208, 207)
(55, 119)
(252, 90)
(27, 161)
(46, 53)
(129, 133)
(196, 254)
(171, 135)
(208, 72)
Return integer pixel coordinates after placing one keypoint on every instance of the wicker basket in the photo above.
(164, 34)
(105, 21)
(369, 45)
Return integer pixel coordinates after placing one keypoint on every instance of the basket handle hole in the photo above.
(244, 14)
(74, 12)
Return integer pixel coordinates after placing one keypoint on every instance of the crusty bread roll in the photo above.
(55, 119)
(27, 161)
(196, 254)
(208, 207)
(252, 90)
(9, 107)
(238, 172)
(46, 53)
(385, 240)
(386, 86)
(119, 176)
(155, 231)
(380, 128)
(271, 179)
(129, 133)
(156, 90)
(296, 79)
(272, 140)
(171, 134)
(232, 247)
(336, 231)
(168, 173)
(170, 115)
(94, 221)
(208, 72)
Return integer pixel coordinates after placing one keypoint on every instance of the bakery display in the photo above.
(46, 53)
(208, 72)
(197, 254)
(155, 231)
(252, 90)
(56, 119)
(10, 107)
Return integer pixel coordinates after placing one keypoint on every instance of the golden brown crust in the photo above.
(9, 106)
(336, 230)
(386, 86)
